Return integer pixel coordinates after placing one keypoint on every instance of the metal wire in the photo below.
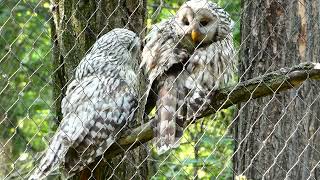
(208, 147)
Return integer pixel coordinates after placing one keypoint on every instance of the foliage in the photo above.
(207, 146)
(25, 68)
(26, 120)
(205, 151)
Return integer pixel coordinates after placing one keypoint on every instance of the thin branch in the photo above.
(268, 84)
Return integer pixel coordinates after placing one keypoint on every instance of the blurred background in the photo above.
(26, 97)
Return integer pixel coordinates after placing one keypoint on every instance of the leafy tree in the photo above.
(25, 82)
(27, 91)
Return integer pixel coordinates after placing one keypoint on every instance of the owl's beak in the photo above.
(195, 36)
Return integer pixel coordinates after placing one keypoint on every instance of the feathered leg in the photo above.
(182, 109)
(166, 115)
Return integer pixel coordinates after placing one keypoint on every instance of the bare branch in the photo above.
(268, 84)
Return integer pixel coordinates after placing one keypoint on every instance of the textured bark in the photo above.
(5, 156)
(277, 137)
(77, 25)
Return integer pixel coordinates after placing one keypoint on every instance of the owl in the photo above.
(99, 103)
(186, 58)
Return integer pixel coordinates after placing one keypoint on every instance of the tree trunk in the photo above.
(277, 137)
(77, 25)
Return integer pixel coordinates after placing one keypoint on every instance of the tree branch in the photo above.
(268, 84)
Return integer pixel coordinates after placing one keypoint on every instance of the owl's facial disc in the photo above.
(198, 25)
(206, 27)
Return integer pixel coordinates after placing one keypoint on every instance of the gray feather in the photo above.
(98, 104)
(182, 74)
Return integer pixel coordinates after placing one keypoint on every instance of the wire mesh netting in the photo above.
(240, 127)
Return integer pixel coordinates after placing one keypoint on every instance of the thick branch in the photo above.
(268, 84)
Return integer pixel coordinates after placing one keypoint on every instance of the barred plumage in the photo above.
(208, 69)
(98, 104)
(186, 58)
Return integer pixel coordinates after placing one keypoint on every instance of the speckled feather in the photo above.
(180, 75)
(98, 104)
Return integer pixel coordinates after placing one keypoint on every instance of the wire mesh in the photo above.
(273, 137)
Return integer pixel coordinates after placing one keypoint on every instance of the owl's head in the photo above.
(202, 21)
(118, 44)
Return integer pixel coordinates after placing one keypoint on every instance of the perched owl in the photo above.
(98, 105)
(186, 58)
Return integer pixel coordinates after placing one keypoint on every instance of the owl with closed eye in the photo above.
(186, 58)
(100, 102)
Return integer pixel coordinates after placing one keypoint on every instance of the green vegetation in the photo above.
(25, 68)
(26, 120)
(207, 146)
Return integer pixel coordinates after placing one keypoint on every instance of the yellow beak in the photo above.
(195, 36)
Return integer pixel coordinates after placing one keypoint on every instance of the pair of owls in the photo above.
(185, 59)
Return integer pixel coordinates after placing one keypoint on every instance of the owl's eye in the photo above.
(204, 22)
(185, 21)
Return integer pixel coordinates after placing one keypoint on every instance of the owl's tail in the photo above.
(52, 157)
(170, 111)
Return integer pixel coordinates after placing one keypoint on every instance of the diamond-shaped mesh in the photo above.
(262, 124)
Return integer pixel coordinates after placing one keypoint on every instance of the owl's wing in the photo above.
(91, 64)
(171, 111)
(163, 61)
(95, 110)
(159, 55)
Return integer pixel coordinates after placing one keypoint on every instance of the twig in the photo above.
(268, 84)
